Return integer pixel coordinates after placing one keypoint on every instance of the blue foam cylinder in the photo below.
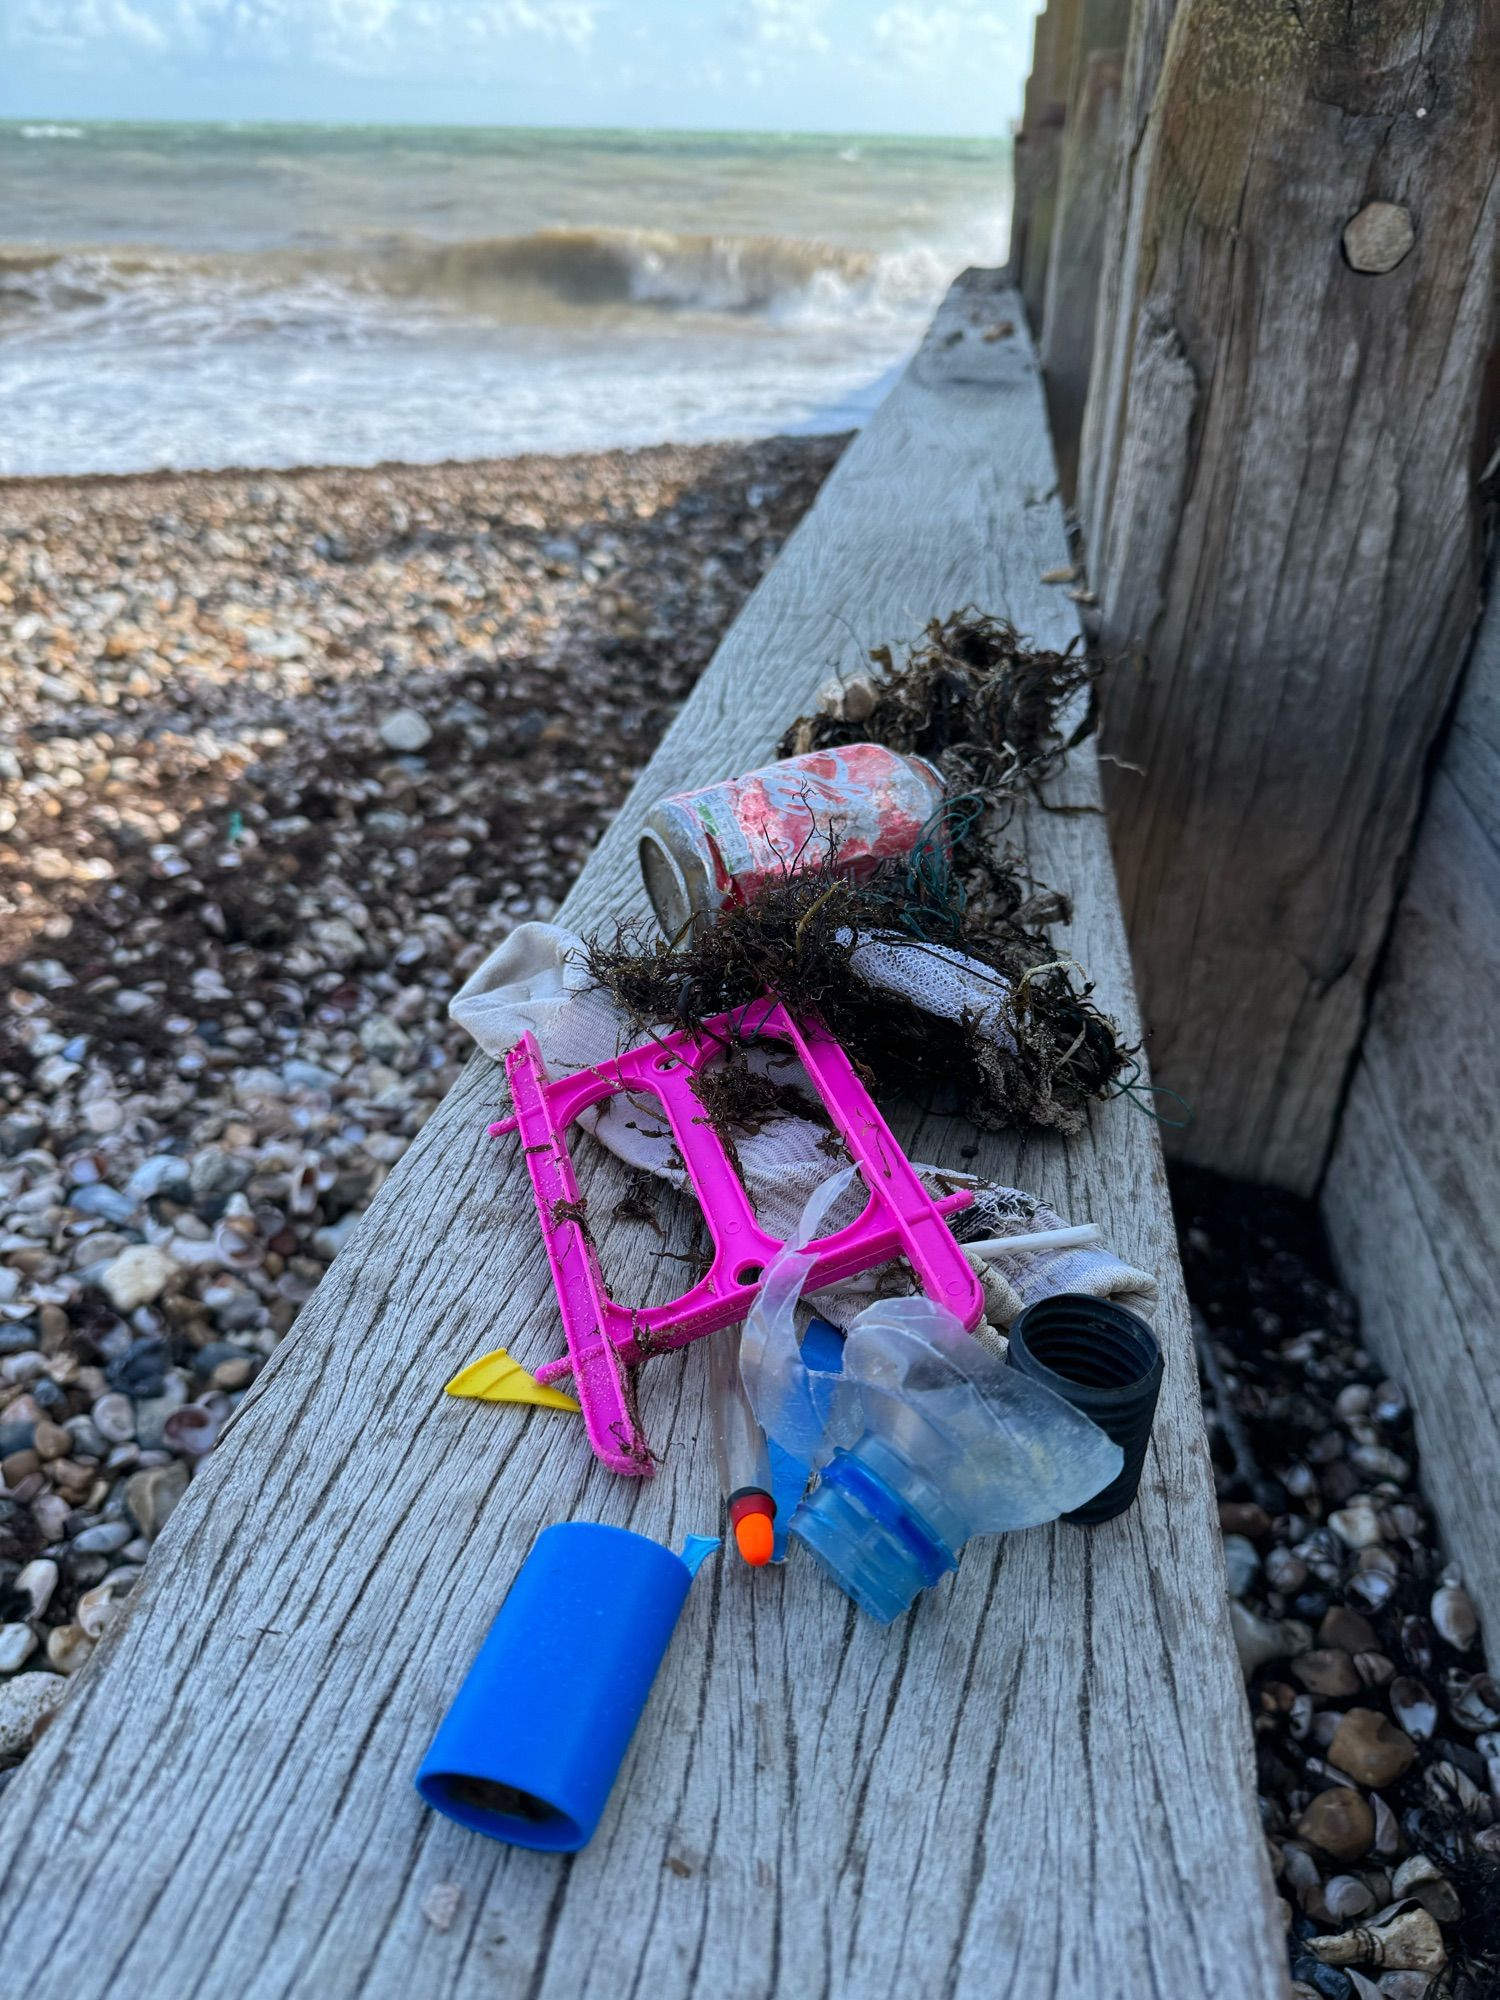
(532, 1743)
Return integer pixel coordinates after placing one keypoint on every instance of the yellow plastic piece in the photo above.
(496, 1378)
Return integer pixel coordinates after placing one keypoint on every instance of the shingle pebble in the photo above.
(282, 756)
(1378, 1775)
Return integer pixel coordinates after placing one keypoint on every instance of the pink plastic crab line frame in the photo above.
(604, 1337)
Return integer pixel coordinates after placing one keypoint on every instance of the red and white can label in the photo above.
(857, 806)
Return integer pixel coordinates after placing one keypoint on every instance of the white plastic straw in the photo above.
(1039, 1239)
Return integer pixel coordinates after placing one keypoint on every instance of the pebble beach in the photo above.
(1375, 1721)
(282, 756)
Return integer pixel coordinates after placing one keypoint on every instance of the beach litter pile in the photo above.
(882, 1424)
(1380, 1786)
(281, 757)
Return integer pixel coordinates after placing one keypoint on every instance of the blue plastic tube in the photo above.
(535, 1736)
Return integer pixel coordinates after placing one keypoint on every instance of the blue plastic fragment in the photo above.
(696, 1550)
(822, 1349)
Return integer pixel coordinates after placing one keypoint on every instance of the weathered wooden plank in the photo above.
(1038, 152)
(1413, 1192)
(1125, 241)
(1278, 493)
(1085, 195)
(1037, 1783)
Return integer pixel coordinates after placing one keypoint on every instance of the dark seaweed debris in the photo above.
(976, 700)
(988, 709)
(798, 938)
(640, 1201)
(998, 717)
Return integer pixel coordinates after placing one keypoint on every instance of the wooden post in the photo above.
(1076, 253)
(1038, 152)
(1285, 428)
(1413, 1191)
(1130, 175)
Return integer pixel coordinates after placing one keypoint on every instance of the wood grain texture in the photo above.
(1037, 153)
(1298, 590)
(1413, 1193)
(1085, 189)
(1037, 1783)
(1137, 142)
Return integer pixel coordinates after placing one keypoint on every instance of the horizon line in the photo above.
(39, 118)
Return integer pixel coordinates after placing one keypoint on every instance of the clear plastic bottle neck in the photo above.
(866, 1530)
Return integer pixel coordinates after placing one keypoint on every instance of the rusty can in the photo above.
(860, 805)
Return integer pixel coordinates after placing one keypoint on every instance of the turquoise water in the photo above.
(180, 295)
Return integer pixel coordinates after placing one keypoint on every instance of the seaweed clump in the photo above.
(1041, 1052)
(990, 710)
(997, 717)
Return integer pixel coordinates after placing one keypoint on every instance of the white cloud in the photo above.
(571, 21)
(790, 25)
(931, 37)
(136, 26)
(344, 33)
(72, 22)
(361, 17)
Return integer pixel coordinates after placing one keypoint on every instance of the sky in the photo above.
(922, 66)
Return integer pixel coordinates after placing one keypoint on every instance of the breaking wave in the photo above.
(550, 271)
(770, 275)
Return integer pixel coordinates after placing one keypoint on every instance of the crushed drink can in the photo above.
(857, 806)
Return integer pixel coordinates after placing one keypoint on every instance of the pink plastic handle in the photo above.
(605, 1338)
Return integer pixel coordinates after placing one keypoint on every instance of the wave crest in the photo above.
(776, 278)
(768, 275)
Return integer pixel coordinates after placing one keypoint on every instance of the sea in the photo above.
(255, 295)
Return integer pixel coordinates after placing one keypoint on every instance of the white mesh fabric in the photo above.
(939, 981)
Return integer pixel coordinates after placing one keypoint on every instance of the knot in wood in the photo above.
(1379, 236)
